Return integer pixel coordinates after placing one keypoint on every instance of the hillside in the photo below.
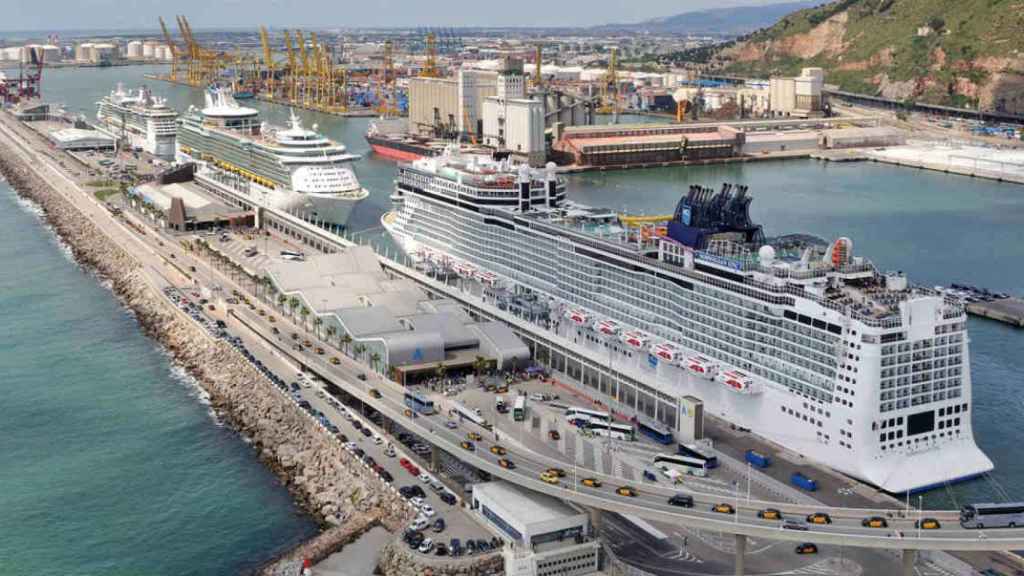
(719, 21)
(952, 52)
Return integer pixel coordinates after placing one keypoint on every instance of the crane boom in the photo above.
(268, 59)
(291, 65)
(175, 56)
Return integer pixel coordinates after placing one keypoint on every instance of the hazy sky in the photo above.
(51, 15)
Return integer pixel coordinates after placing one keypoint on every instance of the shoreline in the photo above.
(321, 477)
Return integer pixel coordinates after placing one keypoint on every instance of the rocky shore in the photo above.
(343, 495)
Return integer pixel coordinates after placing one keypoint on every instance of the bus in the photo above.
(682, 464)
(419, 403)
(694, 452)
(586, 415)
(291, 255)
(472, 416)
(1008, 515)
(612, 430)
(656, 431)
(519, 409)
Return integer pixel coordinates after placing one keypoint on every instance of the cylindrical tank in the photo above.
(149, 49)
(134, 50)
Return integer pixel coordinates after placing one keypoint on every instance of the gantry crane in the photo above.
(386, 82)
(268, 63)
(538, 80)
(292, 89)
(610, 86)
(430, 66)
(175, 53)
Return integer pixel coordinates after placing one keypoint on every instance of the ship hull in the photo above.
(399, 151)
(767, 414)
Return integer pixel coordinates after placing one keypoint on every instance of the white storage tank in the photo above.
(134, 50)
(149, 49)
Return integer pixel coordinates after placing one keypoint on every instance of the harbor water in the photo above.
(937, 228)
(112, 461)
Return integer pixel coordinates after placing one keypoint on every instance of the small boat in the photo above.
(577, 316)
(701, 366)
(666, 352)
(609, 327)
(635, 339)
(737, 382)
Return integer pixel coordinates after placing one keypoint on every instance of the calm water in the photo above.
(938, 228)
(110, 463)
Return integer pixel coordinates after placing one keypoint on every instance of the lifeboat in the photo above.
(666, 352)
(609, 327)
(635, 339)
(489, 278)
(577, 316)
(737, 381)
(464, 269)
(701, 366)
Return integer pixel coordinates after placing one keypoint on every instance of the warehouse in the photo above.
(545, 535)
(646, 144)
(79, 139)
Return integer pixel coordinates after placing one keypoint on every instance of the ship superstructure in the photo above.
(141, 118)
(292, 169)
(797, 339)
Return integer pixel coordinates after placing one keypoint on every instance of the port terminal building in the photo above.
(393, 324)
(543, 536)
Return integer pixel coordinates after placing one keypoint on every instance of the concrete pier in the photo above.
(1008, 310)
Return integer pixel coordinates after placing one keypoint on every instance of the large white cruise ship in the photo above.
(143, 119)
(292, 169)
(799, 340)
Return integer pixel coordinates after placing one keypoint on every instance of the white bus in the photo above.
(519, 409)
(1008, 515)
(472, 416)
(612, 430)
(683, 464)
(586, 415)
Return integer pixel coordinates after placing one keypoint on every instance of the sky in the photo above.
(56, 15)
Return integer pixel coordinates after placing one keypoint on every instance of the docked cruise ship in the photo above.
(142, 118)
(292, 169)
(799, 340)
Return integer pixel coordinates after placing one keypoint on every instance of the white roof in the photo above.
(525, 506)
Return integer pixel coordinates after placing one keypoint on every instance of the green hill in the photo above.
(954, 52)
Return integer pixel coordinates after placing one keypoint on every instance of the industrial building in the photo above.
(800, 96)
(81, 139)
(446, 107)
(184, 207)
(648, 144)
(398, 326)
(512, 121)
(544, 536)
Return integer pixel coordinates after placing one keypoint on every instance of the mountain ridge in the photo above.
(733, 21)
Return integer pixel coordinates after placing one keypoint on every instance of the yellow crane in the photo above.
(538, 80)
(292, 66)
(385, 84)
(430, 66)
(305, 64)
(610, 86)
(268, 61)
(175, 55)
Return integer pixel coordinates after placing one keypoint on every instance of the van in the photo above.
(537, 397)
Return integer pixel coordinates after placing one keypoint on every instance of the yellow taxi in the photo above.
(723, 508)
(819, 518)
(271, 319)
(626, 491)
(549, 477)
(592, 482)
(319, 350)
(874, 522)
(499, 450)
(506, 463)
(474, 436)
(927, 524)
(557, 472)
(468, 446)
(769, 514)
(335, 361)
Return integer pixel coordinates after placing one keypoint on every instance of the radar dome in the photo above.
(766, 254)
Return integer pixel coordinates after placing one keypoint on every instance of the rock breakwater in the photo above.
(325, 479)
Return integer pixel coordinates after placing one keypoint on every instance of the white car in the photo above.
(427, 510)
(377, 439)
(351, 446)
(419, 523)
(427, 546)
(390, 452)
(416, 501)
(425, 478)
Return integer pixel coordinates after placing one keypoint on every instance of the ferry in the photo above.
(144, 120)
(853, 367)
(293, 169)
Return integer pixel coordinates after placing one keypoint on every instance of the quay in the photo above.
(1008, 310)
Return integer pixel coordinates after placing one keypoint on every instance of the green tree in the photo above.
(317, 323)
(331, 331)
(281, 300)
(375, 361)
(346, 340)
(304, 312)
(293, 303)
(359, 349)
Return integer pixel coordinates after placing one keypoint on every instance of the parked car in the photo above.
(439, 525)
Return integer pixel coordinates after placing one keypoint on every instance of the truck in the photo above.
(757, 459)
(804, 482)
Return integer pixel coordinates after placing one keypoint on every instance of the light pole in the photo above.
(843, 493)
(736, 515)
(920, 512)
(748, 482)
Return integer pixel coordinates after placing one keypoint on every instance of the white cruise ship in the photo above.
(143, 119)
(799, 340)
(292, 169)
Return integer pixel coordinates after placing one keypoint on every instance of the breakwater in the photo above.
(323, 478)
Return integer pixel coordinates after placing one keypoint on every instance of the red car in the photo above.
(413, 469)
(405, 463)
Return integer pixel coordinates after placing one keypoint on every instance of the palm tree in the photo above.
(304, 312)
(374, 360)
(317, 322)
(346, 339)
(281, 302)
(479, 365)
(359, 349)
(293, 303)
(331, 331)
(440, 371)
